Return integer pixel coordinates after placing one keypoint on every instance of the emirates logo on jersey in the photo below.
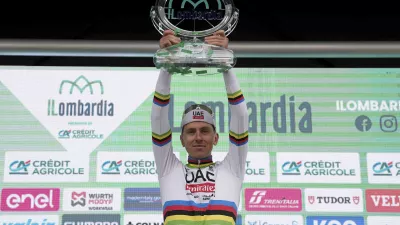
(205, 187)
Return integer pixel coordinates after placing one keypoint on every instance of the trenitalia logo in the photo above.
(273, 199)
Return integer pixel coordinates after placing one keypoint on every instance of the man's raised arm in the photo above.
(238, 126)
(161, 130)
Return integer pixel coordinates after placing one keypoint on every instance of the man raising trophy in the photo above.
(200, 191)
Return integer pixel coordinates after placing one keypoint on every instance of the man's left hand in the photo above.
(218, 38)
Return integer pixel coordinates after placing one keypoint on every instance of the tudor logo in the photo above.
(311, 199)
(334, 200)
(356, 199)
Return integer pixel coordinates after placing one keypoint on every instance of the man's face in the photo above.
(198, 138)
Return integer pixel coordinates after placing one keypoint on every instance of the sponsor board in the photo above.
(97, 219)
(273, 199)
(126, 167)
(144, 219)
(383, 168)
(335, 220)
(383, 220)
(317, 167)
(29, 219)
(45, 167)
(333, 200)
(30, 199)
(274, 219)
(383, 200)
(142, 199)
(92, 199)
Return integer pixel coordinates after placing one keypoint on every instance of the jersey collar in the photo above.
(204, 162)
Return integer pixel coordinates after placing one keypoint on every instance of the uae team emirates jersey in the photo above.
(200, 191)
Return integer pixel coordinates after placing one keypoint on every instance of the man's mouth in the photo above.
(199, 146)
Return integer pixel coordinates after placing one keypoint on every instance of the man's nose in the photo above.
(198, 135)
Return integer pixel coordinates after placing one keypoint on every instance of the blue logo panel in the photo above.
(335, 220)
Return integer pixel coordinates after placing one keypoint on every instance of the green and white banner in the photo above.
(75, 144)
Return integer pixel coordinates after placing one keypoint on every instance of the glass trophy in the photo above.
(192, 21)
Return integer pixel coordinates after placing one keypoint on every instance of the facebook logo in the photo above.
(363, 123)
(335, 220)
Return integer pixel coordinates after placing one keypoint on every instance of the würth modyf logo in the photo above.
(78, 198)
(80, 88)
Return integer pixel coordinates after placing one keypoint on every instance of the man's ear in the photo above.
(216, 138)
(183, 144)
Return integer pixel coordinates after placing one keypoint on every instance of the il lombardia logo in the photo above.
(195, 10)
(79, 107)
(88, 84)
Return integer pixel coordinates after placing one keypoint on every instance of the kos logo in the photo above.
(41, 199)
(335, 220)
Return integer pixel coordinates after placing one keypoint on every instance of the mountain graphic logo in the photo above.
(81, 88)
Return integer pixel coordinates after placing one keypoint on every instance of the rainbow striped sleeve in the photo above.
(188, 212)
(160, 99)
(163, 139)
(236, 98)
(238, 139)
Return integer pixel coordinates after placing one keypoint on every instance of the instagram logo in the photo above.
(388, 123)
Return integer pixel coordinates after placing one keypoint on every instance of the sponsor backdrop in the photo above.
(75, 144)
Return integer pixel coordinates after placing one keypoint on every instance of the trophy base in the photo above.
(194, 59)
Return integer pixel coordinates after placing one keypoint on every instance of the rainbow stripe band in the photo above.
(163, 139)
(200, 161)
(236, 98)
(160, 99)
(189, 212)
(239, 139)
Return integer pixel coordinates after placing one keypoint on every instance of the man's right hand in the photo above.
(169, 39)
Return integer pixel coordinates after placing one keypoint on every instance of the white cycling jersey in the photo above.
(201, 191)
